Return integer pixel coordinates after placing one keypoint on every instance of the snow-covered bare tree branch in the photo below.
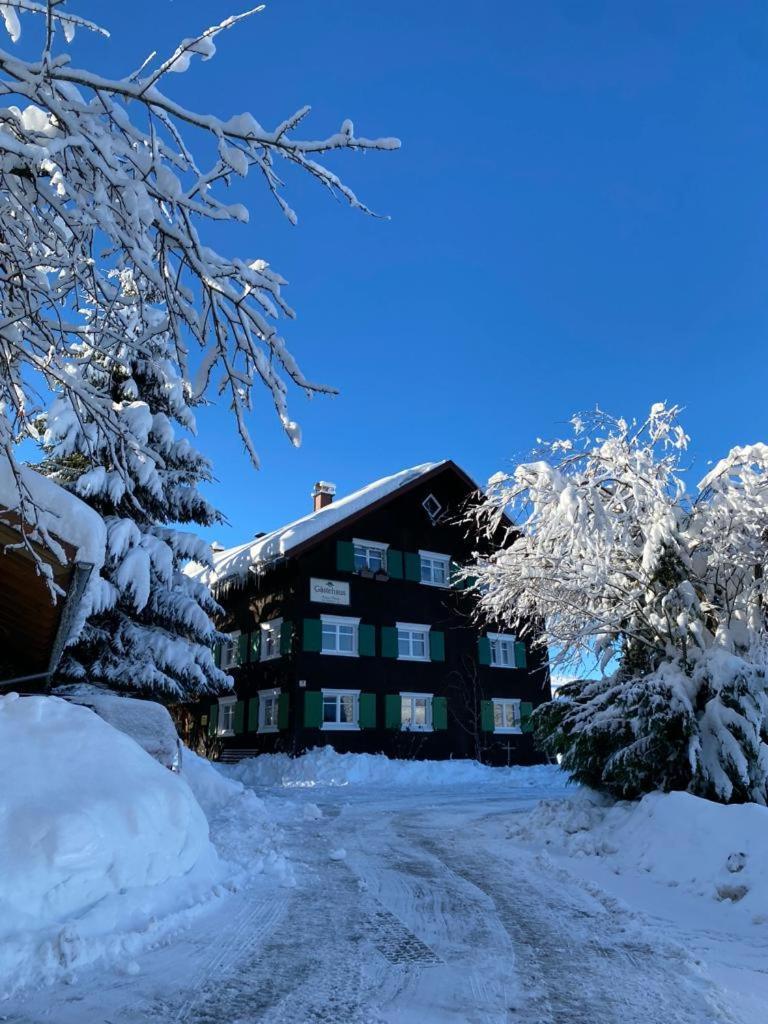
(99, 175)
(616, 560)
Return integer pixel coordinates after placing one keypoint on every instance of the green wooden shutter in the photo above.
(393, 718)
(313, 709)
(487, 722)
(366, 641)
(345, 556)
(436, 645)
(526, 710)
(313, 634)
(217, 654)
(388, 642)
(242, 649)
(395, 564)
(439, 713)
(256, 644)
(213, 720)
(413, 567)
(367, 711)
(520, 656)
(286, 637)
(239, 718)
(253, 714)
(483, 650)
(283, 708)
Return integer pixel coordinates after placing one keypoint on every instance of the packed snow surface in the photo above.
(238, 561)
(93, 833)
(59, 514)
(324, 767)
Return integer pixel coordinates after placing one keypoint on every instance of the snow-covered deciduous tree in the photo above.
(102, 174)
(148, 624)
(667, 590)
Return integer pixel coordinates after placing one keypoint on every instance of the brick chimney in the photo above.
(322, 494)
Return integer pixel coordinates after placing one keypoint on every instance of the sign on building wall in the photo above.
(328, 591)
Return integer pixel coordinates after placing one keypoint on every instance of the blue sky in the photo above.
(578, 216)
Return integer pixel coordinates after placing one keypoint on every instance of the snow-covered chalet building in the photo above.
(347, 627)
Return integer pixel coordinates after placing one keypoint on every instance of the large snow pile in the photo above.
(681, 841)
(238, 561)
(324, 767)
(97, 841)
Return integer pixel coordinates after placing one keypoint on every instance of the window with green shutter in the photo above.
(487, 723)
(213, 720)
(520, 656)
(395, 564)
(239, 717)
(436, 645)
(283, 710)
(286, 637)
(392, 711)
(483, 650)
(366, 640)
(253, 714)
(345, 556)
(367, 711)
(413, 566)
(313, 634)
(313, 710)
(439, 713)
(526, 710)
(388, 642)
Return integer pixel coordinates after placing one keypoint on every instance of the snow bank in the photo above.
(236, 562)
(702, 848)
(324, 767)
(96, 840)
(59, 513)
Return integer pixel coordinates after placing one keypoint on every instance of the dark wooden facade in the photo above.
(458, 677)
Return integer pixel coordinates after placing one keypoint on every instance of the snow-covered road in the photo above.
(409, 906)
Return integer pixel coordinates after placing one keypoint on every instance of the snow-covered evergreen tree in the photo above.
(668, 591)
(99, 174)
(149, 627)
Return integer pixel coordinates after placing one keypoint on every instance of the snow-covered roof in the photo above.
(235, 563)
(60, 514)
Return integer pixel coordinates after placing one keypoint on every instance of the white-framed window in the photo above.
(341, 709)
(339, 635)
(435, 568)
(270, 639)
(226, 726)
(432, 507)
(502, 650)
(412, 641)
(506, 715)
(230, 650)
(269, 706)
(416, 712)
(370, 554)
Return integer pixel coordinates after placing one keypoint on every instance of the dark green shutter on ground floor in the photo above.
(313, 635)
(392, 711)
(487, 723)
(238, 724)
(526, 710)
(439, 713)
(367, 711)
(213, 719)
(283, 710)
(313, 710)
(253, 714)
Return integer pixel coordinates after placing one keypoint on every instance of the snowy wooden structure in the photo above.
(351, 627)
(51, 544)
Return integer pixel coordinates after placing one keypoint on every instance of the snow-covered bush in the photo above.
(614, 558)
(101, 175)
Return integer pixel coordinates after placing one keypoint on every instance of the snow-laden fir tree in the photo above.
(668, 590)
(149, 625)
(101, 174)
